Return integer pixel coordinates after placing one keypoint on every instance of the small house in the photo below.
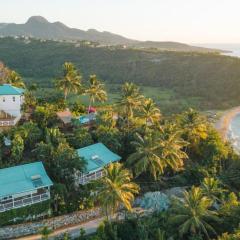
(11, 101)
(97, 156)
(23, 185)
(65, 116)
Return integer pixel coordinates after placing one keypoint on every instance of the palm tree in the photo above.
(171, 146)
(156, 151)
(130, 100)
(71, 80)
(4, 73)
(192, 215)
(95, 91)
(160, 235)
(149, 112)
(146, 157)
(211, 188)
(116, 188)
(15, 79)
(194, 125)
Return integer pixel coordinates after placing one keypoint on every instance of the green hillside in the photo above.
(211, 80)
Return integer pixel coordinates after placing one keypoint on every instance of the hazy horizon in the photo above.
(191, 21)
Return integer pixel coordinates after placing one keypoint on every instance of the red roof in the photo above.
(92, 110)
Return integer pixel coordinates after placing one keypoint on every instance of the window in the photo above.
(14, 99)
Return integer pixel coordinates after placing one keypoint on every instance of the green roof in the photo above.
(8, 89)
(23, 178)
(97, 156)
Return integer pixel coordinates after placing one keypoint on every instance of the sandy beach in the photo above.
(222, 125)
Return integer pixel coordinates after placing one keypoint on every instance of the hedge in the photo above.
(26, 213)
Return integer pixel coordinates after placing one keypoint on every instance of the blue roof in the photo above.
(85, 119)
(8, 89)
(97, 156)
(23, 178)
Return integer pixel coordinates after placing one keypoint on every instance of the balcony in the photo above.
(17, 203)
(90, 177)
(5, 123)
(8, 120)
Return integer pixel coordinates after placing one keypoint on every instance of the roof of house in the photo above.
(65, 116)
(8, 89)
(23, 178)
(97, 156)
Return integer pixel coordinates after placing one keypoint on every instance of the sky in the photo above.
(189, 21)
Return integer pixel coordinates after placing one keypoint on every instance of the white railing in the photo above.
(12, 122)
(94, 176)
(24, 202)
(7, 123)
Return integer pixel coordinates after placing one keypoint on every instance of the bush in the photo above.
(81, 138)
(19, 215)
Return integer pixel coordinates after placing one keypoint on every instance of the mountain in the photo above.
(39, 27)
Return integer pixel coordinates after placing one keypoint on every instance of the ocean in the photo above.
(234, 48)
(234, 132)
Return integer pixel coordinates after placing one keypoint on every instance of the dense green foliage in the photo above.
(212, 80)
(29, 212)
(158, 153)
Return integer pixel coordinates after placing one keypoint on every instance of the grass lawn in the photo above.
(167, 100)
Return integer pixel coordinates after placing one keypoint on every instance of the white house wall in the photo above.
(10, 106)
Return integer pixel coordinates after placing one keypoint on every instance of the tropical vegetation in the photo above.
(178, 166)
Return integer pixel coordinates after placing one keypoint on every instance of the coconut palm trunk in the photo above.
(91, 101)
(65, 94)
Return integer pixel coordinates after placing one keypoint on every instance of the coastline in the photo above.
(222, 125)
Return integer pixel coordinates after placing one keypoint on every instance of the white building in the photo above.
(11, 100)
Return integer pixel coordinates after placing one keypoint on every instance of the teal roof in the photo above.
(8, 89)
(23, 178)
(85, 119)
(97, 156)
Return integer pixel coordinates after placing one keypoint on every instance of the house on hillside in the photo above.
(65, 116)
(23, 185)
(11, 100)
(97, 156)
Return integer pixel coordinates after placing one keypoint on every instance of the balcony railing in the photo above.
(87, 178)
(24, 202)
(7, 123)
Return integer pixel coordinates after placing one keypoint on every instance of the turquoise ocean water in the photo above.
(234, 132)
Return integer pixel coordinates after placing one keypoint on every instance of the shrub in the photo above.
(25, 213)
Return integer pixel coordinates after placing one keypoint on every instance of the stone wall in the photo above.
(14, 231)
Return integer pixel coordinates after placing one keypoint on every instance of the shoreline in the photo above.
(222, 125)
